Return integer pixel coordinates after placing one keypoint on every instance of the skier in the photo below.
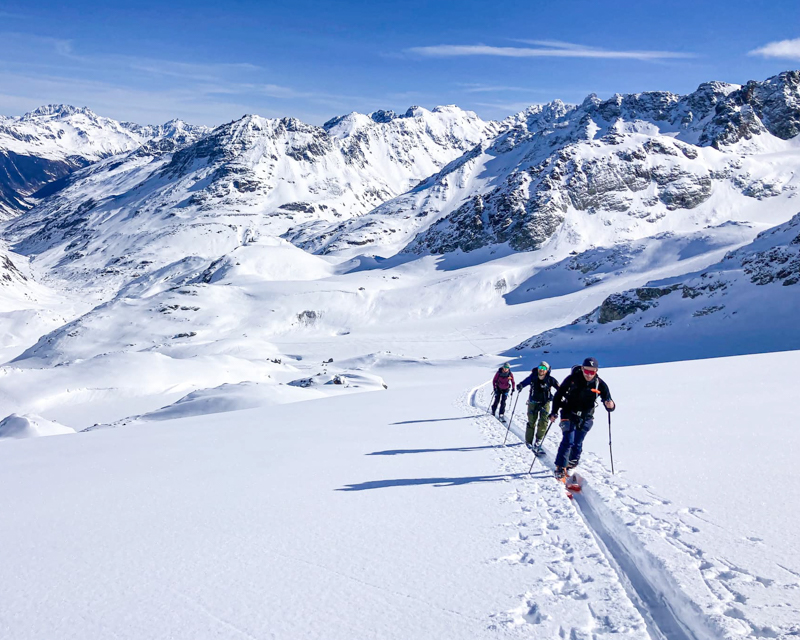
(576, 398)
(539, 399)
(503, 381)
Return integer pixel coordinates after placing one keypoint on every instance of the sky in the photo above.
(212, 62)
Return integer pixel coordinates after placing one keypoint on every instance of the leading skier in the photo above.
(576, 398)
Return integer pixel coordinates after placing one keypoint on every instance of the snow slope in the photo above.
(29, 308)
(30, 426)
(747, 303)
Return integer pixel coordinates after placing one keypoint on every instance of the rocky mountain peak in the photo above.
(382, 116)
(58, 111)
(776, 101)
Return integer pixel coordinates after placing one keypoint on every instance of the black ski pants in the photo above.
(500, 396)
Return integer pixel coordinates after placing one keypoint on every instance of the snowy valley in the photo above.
(264, 354)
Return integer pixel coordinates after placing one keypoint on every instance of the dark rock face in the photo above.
(620, 305)
(9, 272)
(776, 102)
(779, 264)
(506, 214)
(531, 205)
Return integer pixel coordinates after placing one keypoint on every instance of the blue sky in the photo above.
(211, 62)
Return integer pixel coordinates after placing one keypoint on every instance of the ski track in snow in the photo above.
(574, 580)
(668, 609)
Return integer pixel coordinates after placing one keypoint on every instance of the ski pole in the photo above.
(544, 437)
(610, 450)
(511, 419)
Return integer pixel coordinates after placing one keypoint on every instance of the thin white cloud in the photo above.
(781, 49)
(554, 50)
(559, 44)
(185, 70)
(488, 88)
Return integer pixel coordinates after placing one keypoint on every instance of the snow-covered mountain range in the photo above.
(248, 178)
(598, 171)
(621, 191)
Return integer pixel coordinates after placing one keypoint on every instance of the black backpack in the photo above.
(579, 369)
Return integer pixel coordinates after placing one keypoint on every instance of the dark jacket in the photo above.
(502, 381)
(540, 389)
(577, 397)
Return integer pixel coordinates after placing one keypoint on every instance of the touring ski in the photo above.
(572, 483)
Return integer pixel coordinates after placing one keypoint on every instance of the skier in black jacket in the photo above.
(539, 399)
(576, 398)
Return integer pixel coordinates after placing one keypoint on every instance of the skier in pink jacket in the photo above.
(503, 382)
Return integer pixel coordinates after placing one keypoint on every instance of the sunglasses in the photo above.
(590, 372)
(542, 368)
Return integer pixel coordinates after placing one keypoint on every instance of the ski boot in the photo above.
(559, 473)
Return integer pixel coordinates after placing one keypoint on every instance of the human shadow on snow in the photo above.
(397, 452)
(434, 420)
(436, 482)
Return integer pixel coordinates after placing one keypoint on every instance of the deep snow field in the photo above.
(226, 487)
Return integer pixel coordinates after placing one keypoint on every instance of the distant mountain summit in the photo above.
(49, 143)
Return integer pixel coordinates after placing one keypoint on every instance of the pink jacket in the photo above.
(503, 382)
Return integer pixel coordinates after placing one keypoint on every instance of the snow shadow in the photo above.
(683, 349)
(436, 482)
(397, 452)
(451, 261)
